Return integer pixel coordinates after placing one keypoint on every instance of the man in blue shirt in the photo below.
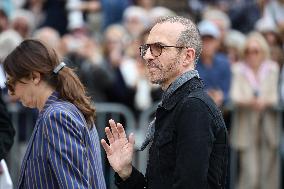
(213, 67)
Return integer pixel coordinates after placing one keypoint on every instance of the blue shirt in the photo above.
(113, 11)
(62, 151)
(217, 75)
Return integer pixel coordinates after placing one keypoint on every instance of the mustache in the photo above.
(152, 64)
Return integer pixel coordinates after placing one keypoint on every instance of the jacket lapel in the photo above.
(24, 162)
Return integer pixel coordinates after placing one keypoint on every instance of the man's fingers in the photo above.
(106, 147)
(109, 135)
(131, 139)
(121, 131)
(113, 129)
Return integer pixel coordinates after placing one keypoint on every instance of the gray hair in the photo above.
(190, 37)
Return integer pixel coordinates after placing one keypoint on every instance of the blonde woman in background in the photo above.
(255, 128)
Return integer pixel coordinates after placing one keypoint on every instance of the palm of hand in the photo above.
(120, 154)
(119, 150)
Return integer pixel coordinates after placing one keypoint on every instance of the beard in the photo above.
(161, 74)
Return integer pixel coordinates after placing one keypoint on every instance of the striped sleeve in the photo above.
(65, 150)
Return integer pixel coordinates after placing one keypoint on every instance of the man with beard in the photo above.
(188, 136)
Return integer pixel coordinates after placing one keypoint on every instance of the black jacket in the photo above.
(7, 131)
(190, 144)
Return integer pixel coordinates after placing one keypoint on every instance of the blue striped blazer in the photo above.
(62, 151)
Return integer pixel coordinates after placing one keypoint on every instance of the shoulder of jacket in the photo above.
(60, 107)
(195, 100)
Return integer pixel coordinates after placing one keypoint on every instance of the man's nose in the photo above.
(148, 55)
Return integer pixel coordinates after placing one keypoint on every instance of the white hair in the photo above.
(9, 40)
(136, 12)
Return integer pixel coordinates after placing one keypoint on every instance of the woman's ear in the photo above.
(36, 77)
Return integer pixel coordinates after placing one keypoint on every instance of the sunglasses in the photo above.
(10, 84)
(252, 51)
(155, 49)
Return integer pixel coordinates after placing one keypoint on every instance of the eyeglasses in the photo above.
(10, 84)
(155, 49)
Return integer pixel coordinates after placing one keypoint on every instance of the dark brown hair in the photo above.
(33, 55)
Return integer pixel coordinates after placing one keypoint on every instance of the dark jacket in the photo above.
(7, 131)
(190, 144)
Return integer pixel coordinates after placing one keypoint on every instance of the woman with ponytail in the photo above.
(64, 149)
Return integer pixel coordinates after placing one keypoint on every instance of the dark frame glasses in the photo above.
(155, 49)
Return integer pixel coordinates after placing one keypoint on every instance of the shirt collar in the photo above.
(51, 99)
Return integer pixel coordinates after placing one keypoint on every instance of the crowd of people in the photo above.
(241, 63)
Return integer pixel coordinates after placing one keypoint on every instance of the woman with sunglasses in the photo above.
(63, 151)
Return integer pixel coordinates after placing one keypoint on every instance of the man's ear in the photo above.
(189, 57)
(36, 77)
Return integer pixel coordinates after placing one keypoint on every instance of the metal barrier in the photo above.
(119, 113)
(139, 129)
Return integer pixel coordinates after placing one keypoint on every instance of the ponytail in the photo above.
(71, 89)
